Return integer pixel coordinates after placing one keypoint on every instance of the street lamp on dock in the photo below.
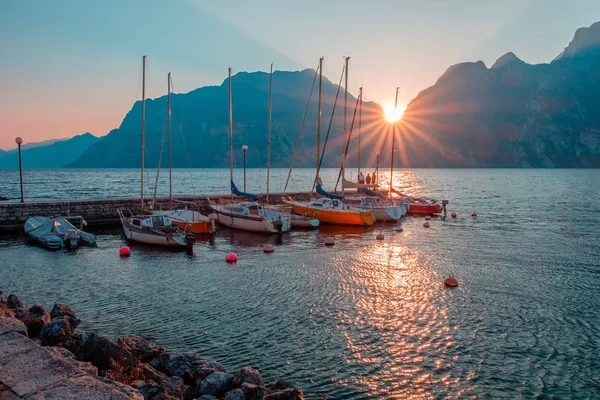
(19, 141)
(245, 148)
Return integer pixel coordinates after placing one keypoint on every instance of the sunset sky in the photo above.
(71, 66)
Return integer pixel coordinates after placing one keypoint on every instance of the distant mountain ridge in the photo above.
(48, 154)
(510, 115)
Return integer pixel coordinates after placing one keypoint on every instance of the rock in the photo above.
(102, 352)
(137, 384)
(253, 392)
(35, 319)
(12, 325)
(174, 386)
(88, 388)
(20, 313)
(287, 394)
(5, 311)
(280, 385)
(195, 366)
(216, 384)
(249, 375)
(68, 357)
(125, 389)
(152, 374)
(235, 394)
(55, 332)
(63, 310)
(14, 302)
(162, 362)
(75, 341)
(207, 397)
(145, 349)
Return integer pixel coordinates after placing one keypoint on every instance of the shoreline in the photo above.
(44, 355)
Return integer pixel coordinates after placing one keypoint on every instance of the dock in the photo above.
(102, 212)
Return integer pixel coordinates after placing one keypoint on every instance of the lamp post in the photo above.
(245, 148)
(19, 141)
(377, 168)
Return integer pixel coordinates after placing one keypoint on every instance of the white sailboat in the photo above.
(248, 216)
(149, 229)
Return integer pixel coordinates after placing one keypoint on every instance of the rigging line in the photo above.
(329, 128)
(347, 144)
(162, 142)
(301, 129)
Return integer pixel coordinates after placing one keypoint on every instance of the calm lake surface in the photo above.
(364, 318)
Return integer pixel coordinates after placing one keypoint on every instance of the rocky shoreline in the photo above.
(133, 365)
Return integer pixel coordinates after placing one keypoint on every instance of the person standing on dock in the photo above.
(374, 179)
(361, 177)
(368, 180)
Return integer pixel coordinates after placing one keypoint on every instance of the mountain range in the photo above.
(48, 154)
(513, 114)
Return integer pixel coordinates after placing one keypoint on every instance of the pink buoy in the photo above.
(231, 258)
(125, 251)
(427, 217)
(399, 229)
(380, 236)
(426, 225)
(329, 241)
(268, 248)
(450, 281)
(474, 214)
(453, 214)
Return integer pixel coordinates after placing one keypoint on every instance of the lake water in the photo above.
(364, 318)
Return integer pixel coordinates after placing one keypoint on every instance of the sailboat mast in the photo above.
(319, 115)
(346, 93)
(360, 90)
(269, 130)
(143, 123)
(170, 142)
(230, 134)
(393, 145)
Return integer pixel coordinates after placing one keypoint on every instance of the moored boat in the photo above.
(333, 211)
(251, 216)
(383, 209)
(57, 233)
(191, 221)
(156, 229)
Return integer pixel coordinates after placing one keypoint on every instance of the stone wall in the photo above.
(13, 214)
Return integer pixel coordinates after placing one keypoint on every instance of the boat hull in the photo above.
(335, 217)
(418, 208)
(251, 224)
(140, 236)
(392, 213)
(192, 221)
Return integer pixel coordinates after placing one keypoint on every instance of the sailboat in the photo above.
(249, 215)
(144, 228)
(383, 208)
(330, 209)
(190, 220)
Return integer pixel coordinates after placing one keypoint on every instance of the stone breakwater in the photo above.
(13, 214)
(44, 356)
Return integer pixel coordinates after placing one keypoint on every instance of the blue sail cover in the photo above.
(326, 194)
(237, 192)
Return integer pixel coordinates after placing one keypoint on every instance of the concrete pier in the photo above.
(96, 212)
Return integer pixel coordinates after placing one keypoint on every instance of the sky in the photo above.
(72, 66)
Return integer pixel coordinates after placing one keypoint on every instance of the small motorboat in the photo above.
(422, 206)
(297, 220)
(57, 233)
(333, 211)
(251, 216)
(383, 209)
(156, 229)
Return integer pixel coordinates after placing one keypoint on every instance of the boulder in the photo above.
(253, 392)
(235, 394)
(191, 365)
(151, 374)
(174, 387)
(126, 390)
(207, 397)
(14, 302)
(68, 357)
(12, 325)
(5, 311)
(151, 391)
(216, 384)
(35, 319)
(63, 310)
(280, 385)
(145, 349)
(161, 363)
(75, 341)
(287, 394)
(105, 354)
(55, 332)
(20, 313)
(249, 375)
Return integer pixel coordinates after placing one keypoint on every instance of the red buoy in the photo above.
(399, 229)
(450, 281)
(231, 258)
(427, 217)
(453, 214)
(474, 214)
(125, 251)
(426, 225)
(329, 241)
(268, 248)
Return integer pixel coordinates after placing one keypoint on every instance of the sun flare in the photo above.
(393, 114)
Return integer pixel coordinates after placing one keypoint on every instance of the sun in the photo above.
(393, 114)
